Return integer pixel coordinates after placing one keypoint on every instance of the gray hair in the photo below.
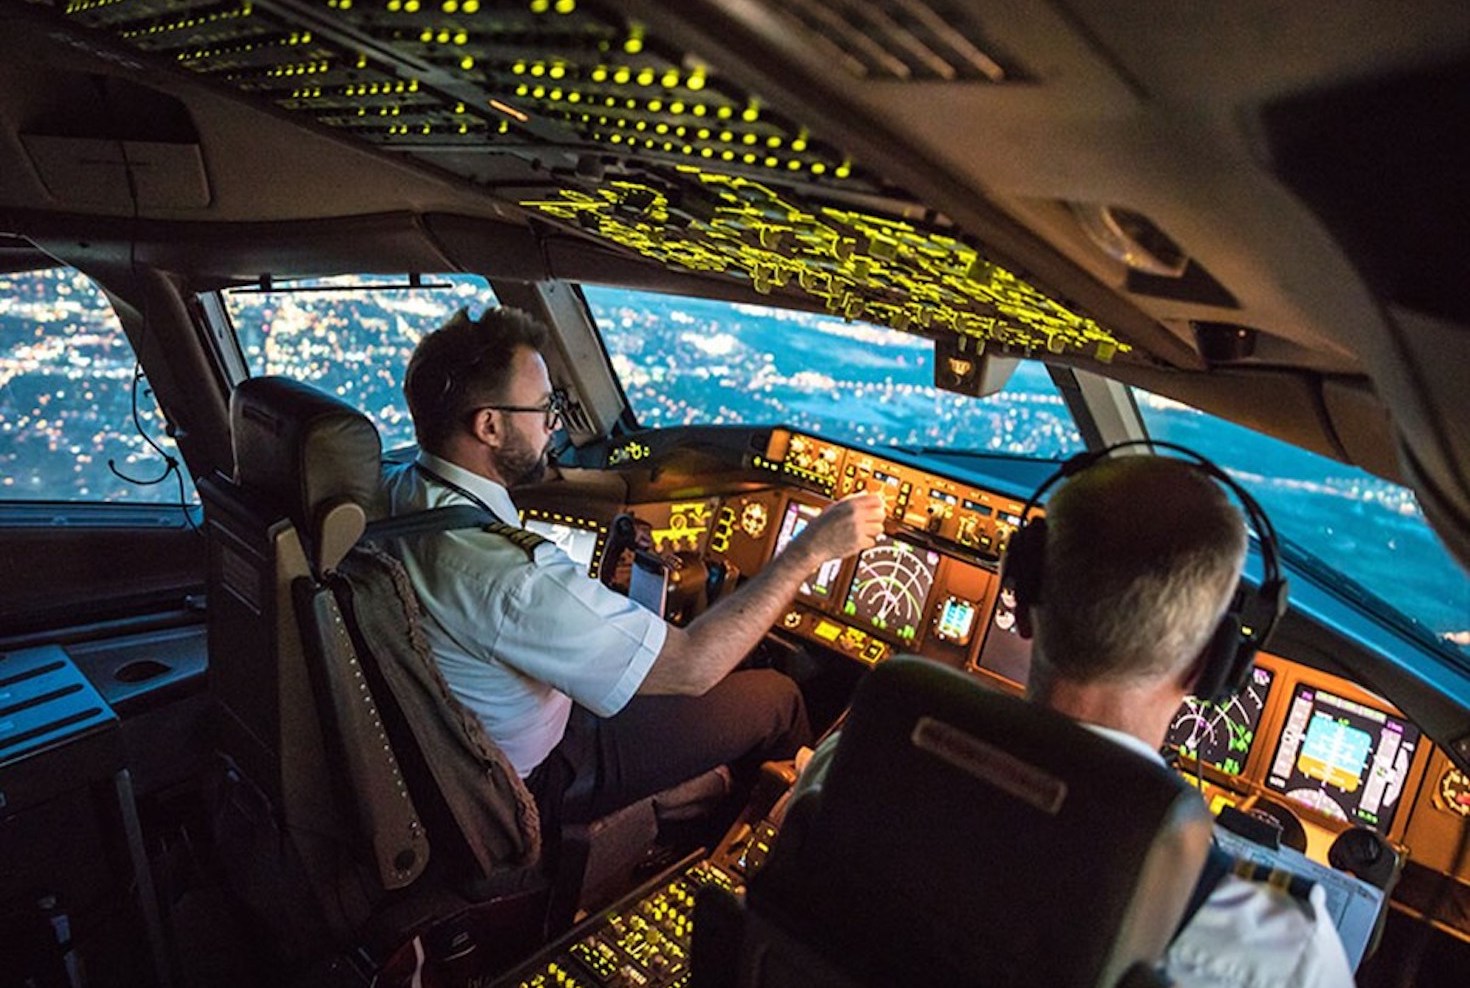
(1142, 556)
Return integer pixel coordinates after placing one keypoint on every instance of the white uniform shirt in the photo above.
(1250, 935)
(1245, 935)
(518, 638)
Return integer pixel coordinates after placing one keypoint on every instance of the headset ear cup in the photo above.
(1213, 682)
(1025, 560)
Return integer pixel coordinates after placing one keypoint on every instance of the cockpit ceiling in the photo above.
(620, 135)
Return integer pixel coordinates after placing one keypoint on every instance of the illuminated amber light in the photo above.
(508, 110)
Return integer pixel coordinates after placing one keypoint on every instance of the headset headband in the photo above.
(1252, 614)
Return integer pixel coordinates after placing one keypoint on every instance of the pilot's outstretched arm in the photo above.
(695, 658)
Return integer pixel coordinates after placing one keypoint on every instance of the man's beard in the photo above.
(520, 463)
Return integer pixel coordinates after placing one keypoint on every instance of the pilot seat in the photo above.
(357, 799)
(963, 837)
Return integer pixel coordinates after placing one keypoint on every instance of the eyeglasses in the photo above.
(554, 408)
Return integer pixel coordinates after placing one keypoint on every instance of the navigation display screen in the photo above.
(579, 543)
(1221, 736)
(890, 587)
(1344, 759)
(797, 517)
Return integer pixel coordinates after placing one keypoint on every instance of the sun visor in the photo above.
(85, 171)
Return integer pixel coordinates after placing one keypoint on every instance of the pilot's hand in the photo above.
(851, 525)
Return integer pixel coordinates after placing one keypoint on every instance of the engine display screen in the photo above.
(1005, 652)
(890, 587)
(1221, 736)
(579, 543)
(797, 517)
(955, 621)
(1342, 758)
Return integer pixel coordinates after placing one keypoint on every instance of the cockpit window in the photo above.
(351, 336)
(1368, 530)
(78, 422)
(687, 361)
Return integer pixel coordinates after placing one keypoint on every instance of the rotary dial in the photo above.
(1454, 792)
(753, 519)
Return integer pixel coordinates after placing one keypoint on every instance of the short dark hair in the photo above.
(463, 364)
(1142, 555)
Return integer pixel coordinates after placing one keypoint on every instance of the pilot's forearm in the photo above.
(695, 658)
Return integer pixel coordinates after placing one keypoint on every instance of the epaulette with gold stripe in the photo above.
(523, 539)
(1279, 878)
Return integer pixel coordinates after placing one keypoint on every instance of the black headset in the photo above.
(1254, 611)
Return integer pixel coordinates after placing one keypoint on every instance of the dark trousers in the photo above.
(655, 742)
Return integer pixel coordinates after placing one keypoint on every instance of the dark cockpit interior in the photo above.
(787, 251)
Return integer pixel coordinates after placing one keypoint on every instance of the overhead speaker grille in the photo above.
(903, 40)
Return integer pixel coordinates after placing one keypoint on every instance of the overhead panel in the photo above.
(625, 137)
(858, 265)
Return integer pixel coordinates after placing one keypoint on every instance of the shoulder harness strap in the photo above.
(1218, 864)
(449, 519)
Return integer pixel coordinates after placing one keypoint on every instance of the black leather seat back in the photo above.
(966, 837)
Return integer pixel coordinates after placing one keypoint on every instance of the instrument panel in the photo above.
(1297, 737)
(1338, 755)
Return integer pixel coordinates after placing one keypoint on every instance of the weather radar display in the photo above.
(1221, 735)
(1344, 759)
(890, 587)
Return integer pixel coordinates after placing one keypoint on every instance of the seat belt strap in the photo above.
(1218, 864)
(446, 519)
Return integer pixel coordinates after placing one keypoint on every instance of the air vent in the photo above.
(575, 416)
(904, 40)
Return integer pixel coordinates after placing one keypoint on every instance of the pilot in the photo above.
(596, 701)
(1141, 557)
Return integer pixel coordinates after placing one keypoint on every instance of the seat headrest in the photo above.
(309, 456)
(985, 840)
